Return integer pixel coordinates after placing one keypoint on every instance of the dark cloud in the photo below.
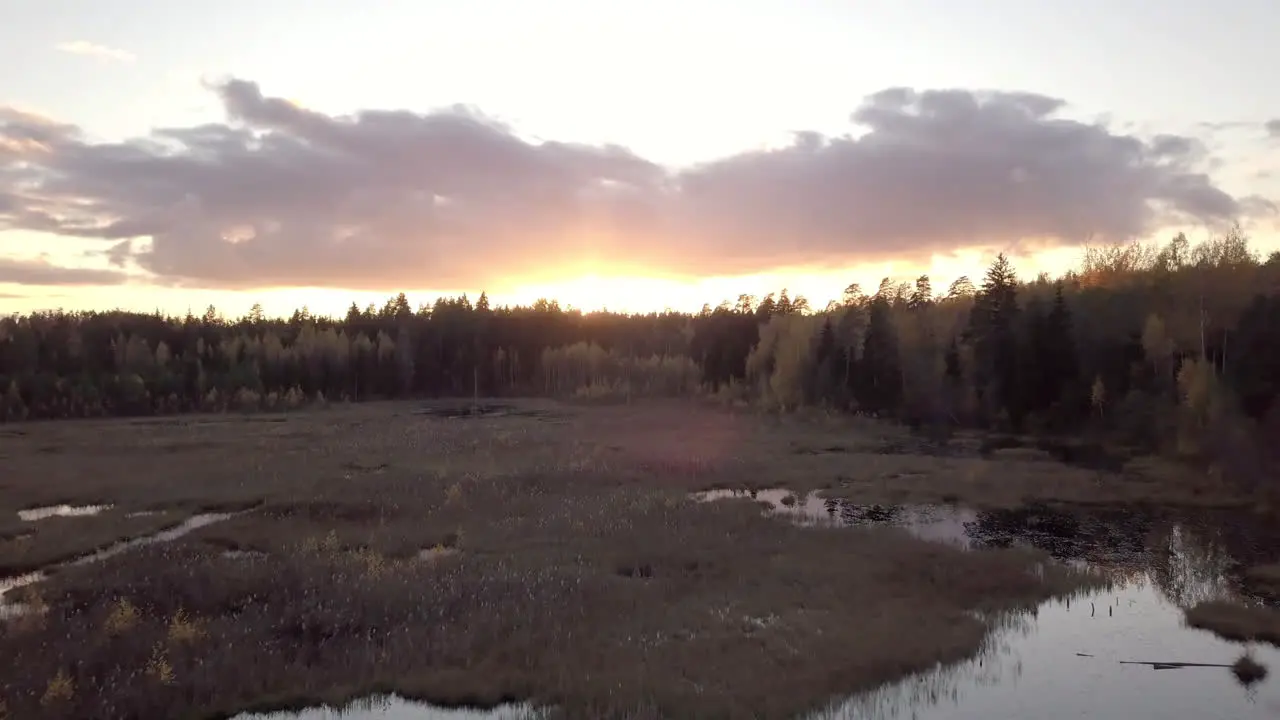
(1273, 127)
(36, 272)
(282, 195)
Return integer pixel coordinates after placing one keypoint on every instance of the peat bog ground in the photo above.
(549, 554)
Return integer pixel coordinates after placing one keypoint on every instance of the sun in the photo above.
(593, 291)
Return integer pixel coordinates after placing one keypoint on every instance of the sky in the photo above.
(631, 155)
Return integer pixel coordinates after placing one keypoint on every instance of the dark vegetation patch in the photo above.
(1090, 455)
(1264, 580)
(459, 410)
(1248, 670)
(1236, 622)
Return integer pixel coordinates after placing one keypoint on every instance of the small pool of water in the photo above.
(438, 552)
(9, 608)
(40, 513)
(392, 707)
(1104, 654)
(939, 523)
(191, 524)
(1095, 656)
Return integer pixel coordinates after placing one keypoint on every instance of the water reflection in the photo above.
(1123, 652)
(940, 523)
(1066, 661)
(40, 513)
(392, 707)
(191, 524)
(1190, 556)
(10, 608)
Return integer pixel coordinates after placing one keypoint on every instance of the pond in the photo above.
(392, 707)
(1111, 653)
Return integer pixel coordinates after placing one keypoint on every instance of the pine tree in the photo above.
(880, 370)
(922, 297)
(992, 330)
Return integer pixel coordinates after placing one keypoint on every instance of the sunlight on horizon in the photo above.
(587, 292)
(586, 284)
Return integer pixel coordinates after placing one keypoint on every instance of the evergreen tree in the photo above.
(922, 295)
(880, 371)
(993, 334)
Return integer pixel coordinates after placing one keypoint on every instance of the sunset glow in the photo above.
(149, 174)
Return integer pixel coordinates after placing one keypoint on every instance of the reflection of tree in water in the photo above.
(853, 514)
(1185, 557)
(1188, 557)
(1190, 565)
(1105, 536)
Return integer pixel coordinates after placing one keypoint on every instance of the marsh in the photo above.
(557, 556)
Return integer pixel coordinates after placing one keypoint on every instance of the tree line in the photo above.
(1166, 346)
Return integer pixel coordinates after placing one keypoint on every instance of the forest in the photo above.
(1172, 348)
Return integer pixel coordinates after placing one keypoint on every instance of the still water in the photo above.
(1095, 655)
(392, 707)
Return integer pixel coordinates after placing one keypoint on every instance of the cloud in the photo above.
(102, 52)
(279, 195)
(1272, 127)
(38, 272)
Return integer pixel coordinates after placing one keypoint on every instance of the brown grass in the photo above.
(1264, 580)
(1236, 622)
(45, 542)
(565, 562)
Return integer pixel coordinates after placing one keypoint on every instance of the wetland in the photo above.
(531, 559)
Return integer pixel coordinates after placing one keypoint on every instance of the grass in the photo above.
(57, 539)
(552, 555)
(1236, 622)
(1265, 580)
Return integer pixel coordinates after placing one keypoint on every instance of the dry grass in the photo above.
(556, 558)
(34, 545)
(1264, 580)
(1236, 622)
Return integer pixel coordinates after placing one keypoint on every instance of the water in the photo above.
(1065, 661)
(392, 707)
(10, 609)
(191, 524)
(939, 523)
(40, 513)
(1069, 658)
(435, 553)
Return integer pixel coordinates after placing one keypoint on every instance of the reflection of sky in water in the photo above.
(1034, 665)
(395, 708)
(1034, 671)
(40, 513)
(10, 607)
(940, 523)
